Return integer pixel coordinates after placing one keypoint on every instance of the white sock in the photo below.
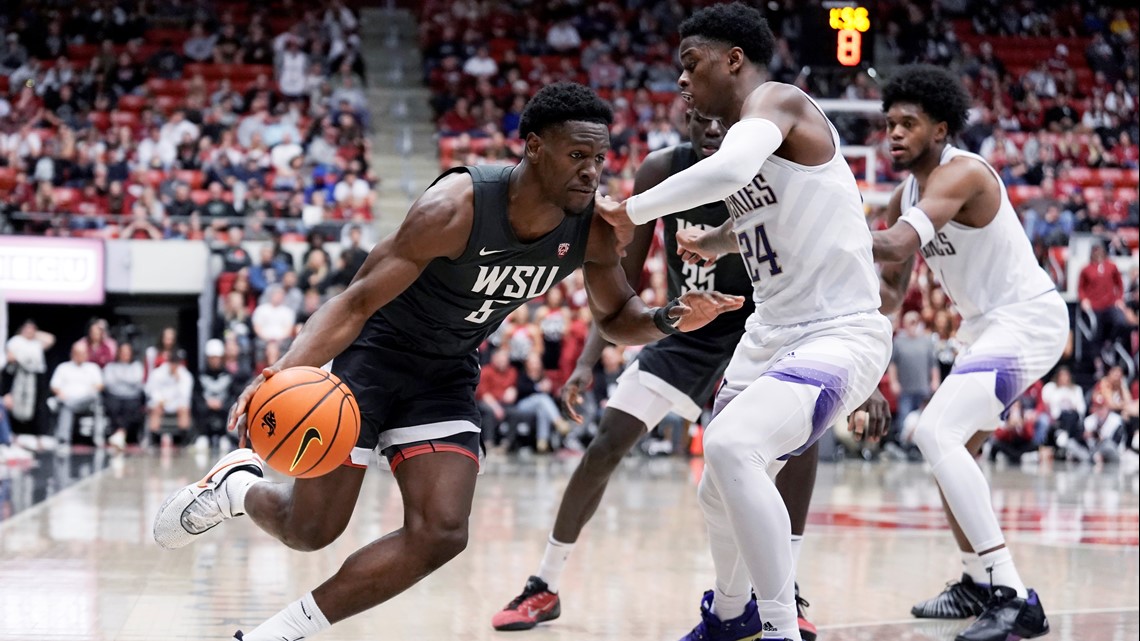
(974, 568)
(300, 620)
(237, 486)
(797, 541)
(553, 560)
(1004, 572)
(782, 617)
(729, 606)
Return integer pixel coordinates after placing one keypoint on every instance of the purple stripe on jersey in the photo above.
(831, 381)
(1007, 383)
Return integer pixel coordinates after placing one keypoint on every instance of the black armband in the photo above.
(662, 320)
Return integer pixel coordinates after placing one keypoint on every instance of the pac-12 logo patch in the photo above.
(563, 249)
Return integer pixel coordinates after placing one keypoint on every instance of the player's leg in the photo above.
(967, 596)
(437, 490)
(624, 421)
(796, 482)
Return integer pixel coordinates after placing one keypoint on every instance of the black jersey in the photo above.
(726, 276)
(455, 304)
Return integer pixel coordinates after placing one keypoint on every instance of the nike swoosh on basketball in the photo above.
(311, 434)
(488, 252)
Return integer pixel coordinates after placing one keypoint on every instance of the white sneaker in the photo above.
(118, 440)
(200, 506)
(15, 454)
(27, 441)
(202, 443)
(48, 442)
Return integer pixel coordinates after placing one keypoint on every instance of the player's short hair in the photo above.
(939, 92)
(737, 25)
(563, 102)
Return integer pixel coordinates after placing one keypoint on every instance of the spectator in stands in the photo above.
(101, 348)
(124, 395)
(155, 355)
(1061, 116)
(293, 293)
(1063, 404)
(496, 395)
(914, 371)
(291, 70)
(273, 321)
(535, 399)
(354, 255)
(481, 65)
(458, 119)
(24, 385)
(140, 227)
(199, 47)
(316, 273)
(1103, 433)
(1100, 290)
(352, 192)
(563, 37)
(1054, 228)
(169, 391)
(215, 389)
(1016, 436)
(75, 386)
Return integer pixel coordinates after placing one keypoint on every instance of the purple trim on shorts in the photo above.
(831, 381)
(1007, 383)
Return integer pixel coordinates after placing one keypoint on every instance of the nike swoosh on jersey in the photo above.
(488, 252)
(310, 435)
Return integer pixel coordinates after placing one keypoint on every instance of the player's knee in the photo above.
(724, 447)
(933, 438)
(312, 534)
(614, 441)
(440, 538)
(707, 496)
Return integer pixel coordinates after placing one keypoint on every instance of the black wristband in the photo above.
(662, 320)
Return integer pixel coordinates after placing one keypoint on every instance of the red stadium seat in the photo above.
(154, 177)
(199, 196)
(125, 119)
(7, 178)
(4, 85)
(130, 102)
(100, 120)
(65, 197)
(164, 87)
(167, 104)
(191, 177)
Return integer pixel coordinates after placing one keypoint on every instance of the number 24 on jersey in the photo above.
(757, 253)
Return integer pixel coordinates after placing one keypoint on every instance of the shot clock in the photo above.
(838, 33)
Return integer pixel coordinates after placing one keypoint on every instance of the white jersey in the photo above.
(805, 241)
(982, 268)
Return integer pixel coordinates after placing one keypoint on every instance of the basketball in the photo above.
(303, 422)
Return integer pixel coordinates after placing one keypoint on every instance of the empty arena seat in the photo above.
(100, 120)
(125, 119)
(131, 102)
(192, 177)
(7, 178)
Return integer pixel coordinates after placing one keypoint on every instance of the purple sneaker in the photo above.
(746, 627)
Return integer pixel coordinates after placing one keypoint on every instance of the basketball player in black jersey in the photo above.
(676, 374)
(478, 244)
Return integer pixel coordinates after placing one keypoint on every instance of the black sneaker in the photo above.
(807, 628)
(238, 635)
(1008, 616)
(960, 600)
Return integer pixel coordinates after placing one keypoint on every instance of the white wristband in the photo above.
(918, 219)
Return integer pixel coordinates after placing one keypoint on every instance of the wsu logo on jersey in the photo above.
(696, 278)
(755, 195)
(507, 283)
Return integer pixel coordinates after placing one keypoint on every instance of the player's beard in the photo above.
(588, 209)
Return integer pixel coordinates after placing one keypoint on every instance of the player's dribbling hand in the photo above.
(581, 379)
(697, 309)
(237, 420)
(615, 214)
(869, 423)
(692, 246)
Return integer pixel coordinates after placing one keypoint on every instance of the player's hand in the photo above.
(615, 214)
(870, 422)
(692, 246)
(238, 420)
(582, 379)
(697, 309)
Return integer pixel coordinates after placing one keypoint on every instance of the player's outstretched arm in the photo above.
(948, 189)
(438, 224)
(622, 317)
(769, 115)
(695, 245)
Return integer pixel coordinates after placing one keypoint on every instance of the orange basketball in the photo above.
(303, 422)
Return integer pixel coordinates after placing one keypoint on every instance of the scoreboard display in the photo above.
(837, 33)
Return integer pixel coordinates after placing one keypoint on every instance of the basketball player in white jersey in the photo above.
(955, 210)
(816, 346)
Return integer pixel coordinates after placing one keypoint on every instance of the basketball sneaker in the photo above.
(200, 506)
(1008, 616)
(960, 600)
(746, 627)
(807, 628)
(535, 605)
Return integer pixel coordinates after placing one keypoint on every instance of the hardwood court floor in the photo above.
(82, 565)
